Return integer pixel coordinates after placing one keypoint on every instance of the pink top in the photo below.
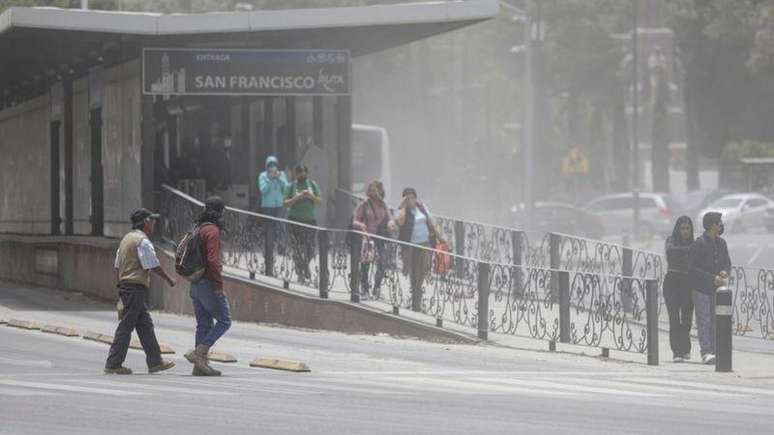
(370, 214)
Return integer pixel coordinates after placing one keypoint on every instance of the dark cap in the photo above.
(214, 203)
(141, 214)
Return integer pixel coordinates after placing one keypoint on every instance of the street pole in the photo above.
(635, 120)
(529, 127)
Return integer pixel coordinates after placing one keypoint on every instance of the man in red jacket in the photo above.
(211, 308)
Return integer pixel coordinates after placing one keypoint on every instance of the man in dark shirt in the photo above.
(709, 268)
(209, 301)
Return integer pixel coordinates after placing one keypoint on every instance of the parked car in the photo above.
(658, 212)
(768, 219)
(560, 217)
(741, 211)
(697, 200)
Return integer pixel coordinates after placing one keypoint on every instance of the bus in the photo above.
(370, 158)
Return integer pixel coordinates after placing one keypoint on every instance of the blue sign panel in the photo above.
(180, 71)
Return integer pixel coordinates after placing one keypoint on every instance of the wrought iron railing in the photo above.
(556, 287)
(753, 288)
(544, 302)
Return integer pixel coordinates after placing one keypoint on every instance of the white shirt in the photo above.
(146, 253)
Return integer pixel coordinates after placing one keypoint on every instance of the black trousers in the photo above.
(679, 304)
(136, 317)
(303, 240)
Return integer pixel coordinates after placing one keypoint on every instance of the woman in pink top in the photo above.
(372, 216)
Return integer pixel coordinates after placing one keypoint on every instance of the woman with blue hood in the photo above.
(677, 288)
(272, 183)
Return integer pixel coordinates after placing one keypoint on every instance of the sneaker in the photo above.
(163, 365)
(708, 359)
(678, 359)
(120, 370)
(687, 357)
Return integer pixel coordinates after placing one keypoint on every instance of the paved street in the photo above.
(358, 384)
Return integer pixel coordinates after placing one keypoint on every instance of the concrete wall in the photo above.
(85, 264)
(81, 158)
(25, 168)
(25, 196)
(121, 142)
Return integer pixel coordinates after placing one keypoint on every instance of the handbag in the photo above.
(442, 259)
(367, 251)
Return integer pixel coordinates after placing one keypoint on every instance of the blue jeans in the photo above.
(705, 321)
(208, 308)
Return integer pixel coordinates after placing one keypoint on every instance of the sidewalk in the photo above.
(247, 340)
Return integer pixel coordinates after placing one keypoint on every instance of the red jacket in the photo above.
(209, 237)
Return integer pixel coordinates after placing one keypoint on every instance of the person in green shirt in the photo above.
(301, 198)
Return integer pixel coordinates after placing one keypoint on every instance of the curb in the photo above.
(134, 344)
(23, 324)
(101, 338)
(60, 330)
(165, 349)
(278, 364)
(222, 357)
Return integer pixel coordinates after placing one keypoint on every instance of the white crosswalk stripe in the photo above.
(68, 388)
(615, 386)
(557, 386)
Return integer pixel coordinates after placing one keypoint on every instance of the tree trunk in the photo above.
(692, 149)
(660, 134)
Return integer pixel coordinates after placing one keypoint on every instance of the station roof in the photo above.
(37, 44)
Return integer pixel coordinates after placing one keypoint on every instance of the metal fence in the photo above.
(593, 308)
(753, 288)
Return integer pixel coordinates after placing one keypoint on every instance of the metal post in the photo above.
(627, 270)
(651, 308)
(518, 254)
(459, 246)
(270, 229)
(323, 245)
(723, 330)
(483, 300)
(554, 246)
(354, 267)
(564, 307)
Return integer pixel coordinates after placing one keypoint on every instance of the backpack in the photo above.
(189, 261)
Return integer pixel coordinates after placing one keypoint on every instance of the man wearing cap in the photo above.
(709, 268)
(210, 305)
(135, 259)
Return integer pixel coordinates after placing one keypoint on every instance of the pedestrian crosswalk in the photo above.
(568, 385)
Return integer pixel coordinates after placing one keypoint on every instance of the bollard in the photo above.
(552, 346)
(323, 245)
(564, 306)
(483, 301)
(723, 330)
(396, 310)
(439, 322)
(651, 309)
(605, 352)
(354, 267)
